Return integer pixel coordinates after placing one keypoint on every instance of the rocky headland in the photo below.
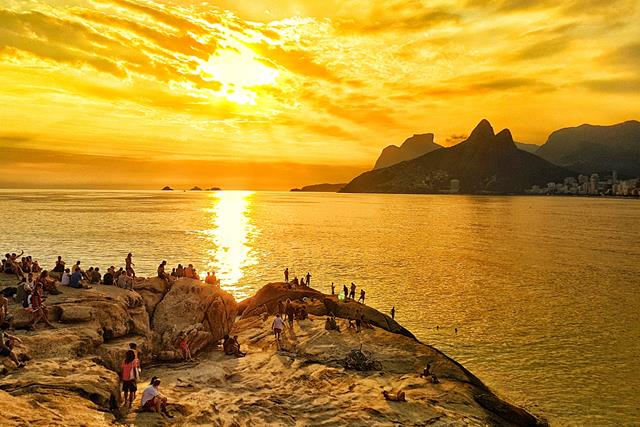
(71, 374)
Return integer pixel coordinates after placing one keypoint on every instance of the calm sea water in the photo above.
(544, 292)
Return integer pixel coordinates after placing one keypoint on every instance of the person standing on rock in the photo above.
(393, 312)
(362, 294)
(129, 265)
(333, 289)
(286, 275)
(277, 326)
(308, 281)
(38, 309)
(345, 290)
(352, 294)
(129, 377)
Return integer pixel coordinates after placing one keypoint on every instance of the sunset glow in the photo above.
(275, 94)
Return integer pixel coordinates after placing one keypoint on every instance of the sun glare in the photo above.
(239, 72)
(229, 237)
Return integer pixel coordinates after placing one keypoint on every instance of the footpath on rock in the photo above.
(71, 376)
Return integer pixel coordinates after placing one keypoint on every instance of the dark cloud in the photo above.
(614, 86)
(627, 56)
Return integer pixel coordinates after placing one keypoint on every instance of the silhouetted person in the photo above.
(362, 294)
(352, 294)
(286, 275)
(308, 281)
(393, 312)
(346, 292)
(302, 282)
(333, 289)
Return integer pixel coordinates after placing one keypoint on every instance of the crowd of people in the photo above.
(35, 283)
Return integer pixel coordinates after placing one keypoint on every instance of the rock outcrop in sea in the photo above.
(71, 376)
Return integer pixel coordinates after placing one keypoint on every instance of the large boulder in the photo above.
(152, 291)
(271, 297)
(71, 392)
(204, 312)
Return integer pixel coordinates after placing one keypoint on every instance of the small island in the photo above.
(321, 188)
(167, 188)
(196, 188)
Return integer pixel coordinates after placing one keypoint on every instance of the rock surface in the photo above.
(71, 380)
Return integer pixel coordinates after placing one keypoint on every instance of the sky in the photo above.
(278, 94)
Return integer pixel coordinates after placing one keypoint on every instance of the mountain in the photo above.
(413, 147)
(483, 163)
(530, 148)
(321, 188)
(596, 149)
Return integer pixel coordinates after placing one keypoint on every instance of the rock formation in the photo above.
(321, 188)
(596, 149)
(71, 380)
(410, 149)
(167, 188)
(485, 163)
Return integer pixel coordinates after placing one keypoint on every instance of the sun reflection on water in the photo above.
(229, 238)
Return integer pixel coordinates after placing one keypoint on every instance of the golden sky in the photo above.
(275, 94)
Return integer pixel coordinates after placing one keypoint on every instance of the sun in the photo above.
(240, 72)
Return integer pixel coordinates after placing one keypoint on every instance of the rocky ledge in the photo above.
(71, 380)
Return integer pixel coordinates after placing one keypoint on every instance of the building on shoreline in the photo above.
(592, 185)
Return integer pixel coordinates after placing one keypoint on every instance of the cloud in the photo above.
(627, 56)
(614, 86)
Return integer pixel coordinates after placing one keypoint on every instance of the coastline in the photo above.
(303, 381)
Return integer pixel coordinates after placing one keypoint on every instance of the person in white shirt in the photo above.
(65, 277)
(277, 326)
(153, 400)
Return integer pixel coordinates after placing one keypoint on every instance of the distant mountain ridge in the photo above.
(416, 146)
(484, 163)
(596, 149)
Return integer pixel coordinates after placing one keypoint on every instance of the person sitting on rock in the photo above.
(39, 310)
(59, 268)
(96, 276)
(129, 377)
(231, 346)
(153, 401)
(6, 344)
(179, 271)
(66, 277)
(107, 279)
(427, 374)
(190, 272)
(330, 324)
(161, 273)
(183, 346)
(125, 281)
(394, 397)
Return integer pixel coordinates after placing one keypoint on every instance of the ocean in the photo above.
(537, 296)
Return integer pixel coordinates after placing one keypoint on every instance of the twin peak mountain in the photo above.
(485, 162)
